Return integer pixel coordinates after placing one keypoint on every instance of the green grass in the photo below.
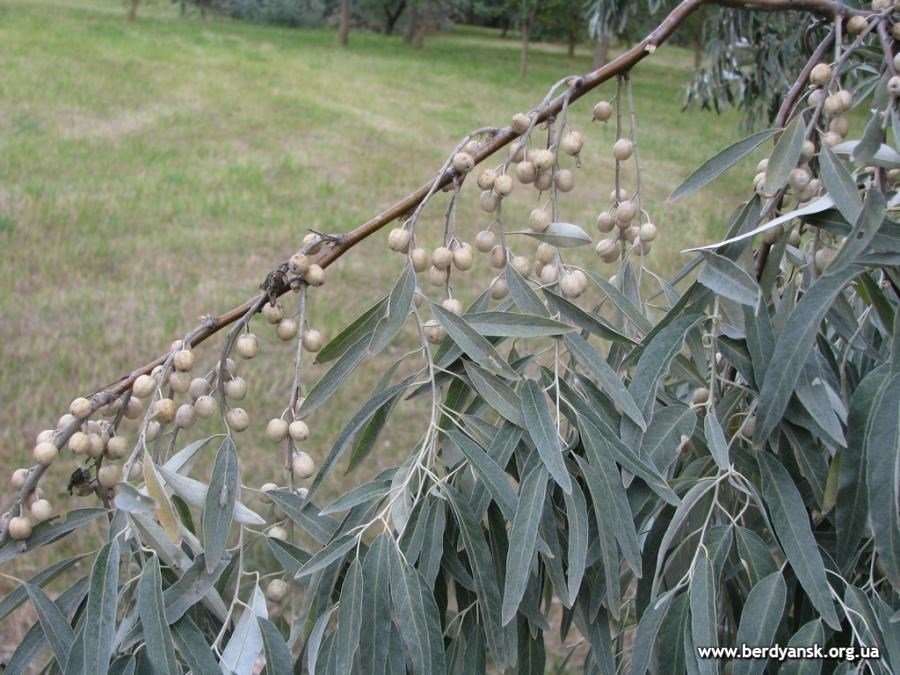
(154, 171)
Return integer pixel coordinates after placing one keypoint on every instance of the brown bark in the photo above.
(133, 9)
(412, 26)
(523, 63)
(391, 18)
(344, 25)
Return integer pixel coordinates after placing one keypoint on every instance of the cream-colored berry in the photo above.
(164, 410)
(700, 396)
(80, 407)
(298, 430)
(807, 151)
(894, 85)
(618, 196)
(247, 345)
(236, 388)
(45, 435)
(820, 75)
(108, 475)
(623, 149)
(539, 220)
(799, 179)
(463, 258)
(647, 232)
(266, 487)
(549, 274)
(572, 143)
(526, 172)
(434, 331)
(278, 532)
(543, 181)
(605, 222)
(237, 419)
(499, 289)
(286, 329)
(817, 96)
(438, 277)
(79, 443)
(137, 471)
(520, 123)
(152, 431)
(117, 446)
(299, 263)
(565, 180)
(608, 250)
(762, 166)
(498, 257)
(420, 261)
(134, 408)
(603, 110)
(521, 264)
(199, 387)
(503, 185)
(839, 125)
(303, 465)
(484, 241)
(794, 238)
(277, 430)
(452, 305)
(97, 446)
(631, 233)
(277, 590)
(144, 386)
(488, 201)
(856, 24)
(45, 453)
(183, 360)
(185, 416)
(570, 286)
(463, 162)
(896, 57)
(543, 159)
(486, 179)
(19, 476)
(41, 510)
(546, 253)
(831, 139)
(398, 240)
(180, 381)
(442, 257)
(626, 211)
(20, 528)
(315, 275)
(206, 406)
(823, 259)
(312, 340)
(273, 313)
(845, 98)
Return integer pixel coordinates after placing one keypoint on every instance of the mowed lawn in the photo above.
(154, 171)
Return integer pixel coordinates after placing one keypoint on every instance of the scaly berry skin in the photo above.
(273, 313)
(499, 289)
(623, 149)
(19, 476)
(452, 305)
(520, 123)
(605, 222)
(442, 257)
(312, 340)
(543, 159)
(648, 232)
(565, 181)
(185, 416)
(164, 410)
(117, 447)
(276, 430)
(546, 253)
(602, 111)
(299, 264)
(608, 250)
(539, 220)
(303, 465)
(41, 510)
(277, 590)
(206, 406)
(484, 241)
(820, 75)
(20, 528)
(572, 143)
(144, 386)
(199, 387)
(236, 388)
(700, 396)
(80, 407)
(180, 381)
(266, 487)
(420, 260)
(183, 360)
(79, 443)
(463, 162)
(298, 431)
(463, 258)
(503, 185)
(315, 276)
(398, 240)
(489, 201)
(237, 419)
(108, 475)
(434, 331)
(486, 179)
(247, 345)
(526, 172)
(498, 257)
(286, 329)
(856, 25)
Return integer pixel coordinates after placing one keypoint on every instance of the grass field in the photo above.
(154, 171)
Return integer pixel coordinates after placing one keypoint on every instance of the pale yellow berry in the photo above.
(486, 179)
(896, 56)
(799, 179)
(434, 331)
(521, 264)
(845, 98)
(398, 240)
(315, 275)
(80, 407)
(41, 510)
(647, 232)
(266, 487)
(539, 220)
(206, 406)
(700, 396)
(452, 305)
(503, 185)
(570, 286)
(572, 143)
(642, 248)
(237, 419)
(820, 75)
(19, 476)
(144, 386)
(603, 110)
(499, 289)
(303, 465)
(463, 258)
(152, 431)
(79, 443)
(273, 313)
(180, 381)
(856, 24)
(199, 387)
(543, 181)
(419, 257)
(631, 233)
(277, 430)
(45, 453)
(97, 446)
(894, 85)
(619, 196)
(489, 201)
(20, 528)
(517, 151)
(441, 257)
(438, 277)
(185, 416)
(137, 471)
(623, 149)
(277, 590)
(549, 274)
(298, 431)
(520, 123)
(117, 446)
(247, 345)
(807, 151)
(626, 211)
(831, 139)
(108, 475)
(794, 238)
(312, 340)
(543, 159)
(546, 253)
(498, 257)
(45, 435)
(299, 263)
(164, 410)
(472, 146)
(762, 166)
(565, 180)
(816, 97)
(183, 360)
(605, 222)
(895, 29)
(463, 162)
(278, 532)
(823, 259)
(526, 172)
(286, 329)
(608, 250)
(484, 241)
(236, 388)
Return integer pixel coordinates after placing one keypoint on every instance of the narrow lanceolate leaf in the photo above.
(159, 644)
(609, 381)
(720, 163)
(194, 493)
(726, 278)
(488, 471)
(561, 235)
(809, 635)
(791, 523)
(100, 619)
(512, 324)
(840, 184)
(472, 343)
(218, 510)
(349, 617)
(305, 514)
(622, 303)
(522, 294)
(246, 642)
(361, 326)
(577, 521)
(278, 655)
(314, 642)
(786, 155)
(523, 539)
(716, 441)
(592, 323)
(496, 393)
(194, 648)
(760, 619)
(56, 627)
(542, 429)
(754, 555)
(418, 619)
(399, 303)
(871, 141)
(376, 606)
(647, 632)
(882, 479)
(45, 576)
(165, 512)
(864, 230)
(792, 349)
(660, 442)
(703, 608)
(327, 555)
(338, 374)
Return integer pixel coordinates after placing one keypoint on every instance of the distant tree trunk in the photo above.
(391, 19)
(523, 64)
(698, 48)
(344, 25)
(601, 51)
(573, 40)
(504, 29)
(132, 11)
(412, 26)
(424, 23)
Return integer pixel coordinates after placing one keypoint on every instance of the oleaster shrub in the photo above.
(710, 460)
